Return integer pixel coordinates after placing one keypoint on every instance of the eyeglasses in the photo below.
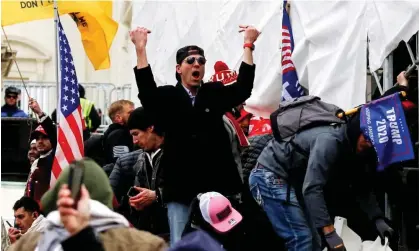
(191, 60)
(11, 96)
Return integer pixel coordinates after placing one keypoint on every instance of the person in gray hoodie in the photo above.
(291, 178)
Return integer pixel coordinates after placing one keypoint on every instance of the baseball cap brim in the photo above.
(36, 134)
(229, 222)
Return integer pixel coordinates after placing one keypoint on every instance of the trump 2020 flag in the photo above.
(384, 125)
(291, 87)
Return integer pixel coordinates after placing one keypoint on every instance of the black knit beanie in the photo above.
(139, 119)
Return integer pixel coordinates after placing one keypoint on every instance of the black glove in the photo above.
(334, 242)
(384, 230)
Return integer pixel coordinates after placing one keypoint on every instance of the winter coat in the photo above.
(197, 151)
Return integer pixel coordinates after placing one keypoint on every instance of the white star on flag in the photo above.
(70, 120)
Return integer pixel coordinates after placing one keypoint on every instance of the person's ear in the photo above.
(150, 129)
(118, 117)
(35, 215)
(178, 69)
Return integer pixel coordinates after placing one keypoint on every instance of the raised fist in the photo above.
(33, 104)
(139, 37)
(251, 34)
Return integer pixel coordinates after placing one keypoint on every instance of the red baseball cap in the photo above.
(38, 131)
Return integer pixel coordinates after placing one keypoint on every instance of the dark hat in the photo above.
(186, 51)
(141, 120)
(198, 241)
(82, 92)
(12, 90)
(94, 178)
(38, 131)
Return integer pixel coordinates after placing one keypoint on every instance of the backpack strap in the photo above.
(274, 125)
(292, 182)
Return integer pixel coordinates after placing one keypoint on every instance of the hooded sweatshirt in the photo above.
(107, 230)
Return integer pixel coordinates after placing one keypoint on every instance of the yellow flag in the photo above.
(93, 19)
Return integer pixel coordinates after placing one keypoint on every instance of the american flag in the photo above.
(291, 87)
(71, 123)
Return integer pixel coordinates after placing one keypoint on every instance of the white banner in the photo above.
(213, 25)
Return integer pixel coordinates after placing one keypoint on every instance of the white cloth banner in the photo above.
(331, 43)
(213, 25)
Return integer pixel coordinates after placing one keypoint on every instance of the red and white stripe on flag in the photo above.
(70, 117)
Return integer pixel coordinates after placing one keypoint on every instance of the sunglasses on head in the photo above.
(11, 96)
(191, 60)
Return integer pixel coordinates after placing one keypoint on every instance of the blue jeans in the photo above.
(287, 219)
(178, 215)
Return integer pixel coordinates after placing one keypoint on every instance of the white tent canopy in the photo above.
(330, 42)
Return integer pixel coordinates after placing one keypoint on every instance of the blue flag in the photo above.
(384, 125)
(291, 87)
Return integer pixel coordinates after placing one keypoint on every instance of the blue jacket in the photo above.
(14, 112)
(325, 156)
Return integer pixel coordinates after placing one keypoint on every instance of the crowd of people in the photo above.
(181, 172)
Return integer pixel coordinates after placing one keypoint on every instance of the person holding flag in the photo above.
(62, 147)
(46, 142)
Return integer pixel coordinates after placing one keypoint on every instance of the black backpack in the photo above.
(302, 113)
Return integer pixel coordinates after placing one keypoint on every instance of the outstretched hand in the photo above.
(33, 104)
(402, 80)
(251, 34)
(139, 37)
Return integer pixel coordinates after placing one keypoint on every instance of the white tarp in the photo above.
(213, 25)
(331, 43)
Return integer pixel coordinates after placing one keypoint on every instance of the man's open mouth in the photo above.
(195, 74)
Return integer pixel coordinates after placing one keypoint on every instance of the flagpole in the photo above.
(57, 59)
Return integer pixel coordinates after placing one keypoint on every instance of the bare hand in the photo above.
(139, 37)
(145, 198)
(74, 220)
(401, 79)
(14, 234)
(33, 104)
(251, 34)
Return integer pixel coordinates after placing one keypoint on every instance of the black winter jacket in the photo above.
(251, 154)
(117, 141)
(197, 152)
(123, 174)
(154, 217)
